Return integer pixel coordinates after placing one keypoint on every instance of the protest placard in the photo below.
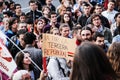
(54, 45)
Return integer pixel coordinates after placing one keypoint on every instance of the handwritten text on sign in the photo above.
(58, 46)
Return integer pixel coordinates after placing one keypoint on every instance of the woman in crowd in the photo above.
(87, 55)
(39, 25)
(114, 57)
(67, 19)
(24, 63)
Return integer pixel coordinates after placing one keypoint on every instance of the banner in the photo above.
(7, 64)
(54, 45)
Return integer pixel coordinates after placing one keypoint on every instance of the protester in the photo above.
(99, 40)
(36, 54)
(86, 14)
(87, 55)
(18, 40)
(114, 57)
(24, 63)
(110, 12)
(21, 75)
(57, 67)
(66, 18)
(33, 13)
(86, 34)
(99, 27)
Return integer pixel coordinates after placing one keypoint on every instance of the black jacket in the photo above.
(34, 14)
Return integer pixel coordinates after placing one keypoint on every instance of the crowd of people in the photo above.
(95, 26)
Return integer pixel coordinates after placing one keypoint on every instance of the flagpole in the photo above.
(22, 51)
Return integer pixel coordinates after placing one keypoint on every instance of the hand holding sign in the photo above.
(57, 46)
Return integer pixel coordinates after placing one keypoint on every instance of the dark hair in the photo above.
(17, 5)
(97, 34)
(40, 37)
(70, 23)
(111, 1)
(52, 13)
(19, 61)
(1, 4)
(29, 38)
(29, 20)
(8, 13)
(91, 63)
(87, 28)
(116, 15)
(69, 9)
(44, 18)
(32, 1)
(100, 5)
(75, 29)
(94, 16)
(86, 4)
(12, 21)
(22, 31)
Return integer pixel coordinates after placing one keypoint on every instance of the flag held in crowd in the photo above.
(7, 64)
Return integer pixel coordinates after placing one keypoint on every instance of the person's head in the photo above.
(66, 18)
(86, 8)
(53, 17)
(111, 5)
(30, 25)
(113, 54)
(91, 63)
(48, 2)
(7, 14)
(12, 4)
(76, 32)
(98, 38)
(98, 9)
(96, 20)
(13, 24)
(86, 34)
(64, 30)
(40, 24)
(17, 8)
(46, 10)
(55, 31)
(62, 10)
(21, 75)
(29, 38)
(22, 25)
(117, 17)
(32, 5)
(20, 35)
(22, 17)
(69, 11)
(23, 59)
(6, 23)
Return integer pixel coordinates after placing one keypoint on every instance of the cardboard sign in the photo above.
(54, 45)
